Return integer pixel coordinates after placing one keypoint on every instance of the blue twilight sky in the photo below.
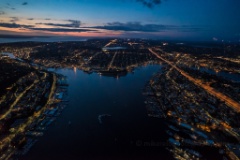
(163, 19)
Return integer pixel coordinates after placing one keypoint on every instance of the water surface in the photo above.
(129, 134)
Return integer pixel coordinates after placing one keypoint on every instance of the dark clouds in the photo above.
(73, 24)
(62, 29)
(31, 27)
(2, 13)
(25, 3)
(138, 27)
(133, 26)
(9, 6)
(14, 19)
(14, 25)
(129, 27)
(30, 19)
(150, 3)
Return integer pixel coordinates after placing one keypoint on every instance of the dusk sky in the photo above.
(163, 19)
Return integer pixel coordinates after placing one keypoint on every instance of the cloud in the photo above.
(14, 19)
(138, 27)
(25, 3)
(61, 29)
(14, 25)
(150, 3)
(72, 24)
(47, 19)
(70, 27)
(2, 13)
(20, 36)
(30, 19)
(9, 6)
(133, 26)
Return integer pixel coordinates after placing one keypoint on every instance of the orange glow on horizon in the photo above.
(28, 32)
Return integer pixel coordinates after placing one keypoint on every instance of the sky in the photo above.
(214, 20)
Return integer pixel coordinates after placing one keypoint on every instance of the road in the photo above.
(230, 102)
(110, 65)
(93, 56)
(17, 99)
(112, 41)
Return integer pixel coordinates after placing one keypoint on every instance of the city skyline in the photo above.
(166, 19)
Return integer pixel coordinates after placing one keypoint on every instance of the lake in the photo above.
(131, 134)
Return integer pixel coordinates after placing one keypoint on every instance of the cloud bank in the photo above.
(138, 27)
(73, 24)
